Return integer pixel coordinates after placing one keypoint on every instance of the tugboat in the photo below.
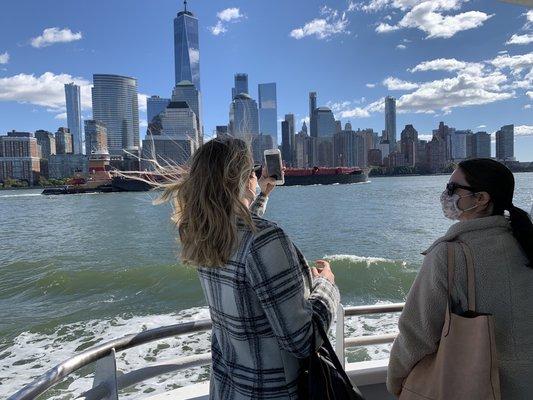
(324, 176)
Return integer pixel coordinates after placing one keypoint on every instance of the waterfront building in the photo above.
(260, 143)
(459, 146)
(421, 159)
(397, 159)
(64, 141)
(115, 103)
(175, 139)
(437, 153)
(221, 131)
(73, 102)
(303, 150)
(326, 126)
(185, 91)
(154, 106)
(374, 158)
(186, 48)
(324, 151)
(95, 137)
(312, 116)
(481, 141)
(390, 121)
(47, 141)
(349, 149)
(286, 150)
(243, 116)
(384, 147)
(20, 157)
(62, 166)
(505, 143)
(268, 111)
(409, 141)
(241, 85)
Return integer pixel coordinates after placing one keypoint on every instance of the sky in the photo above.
(468, 63)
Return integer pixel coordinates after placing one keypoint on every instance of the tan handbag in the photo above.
(465, 364)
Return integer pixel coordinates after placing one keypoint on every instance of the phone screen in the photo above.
(273, 163)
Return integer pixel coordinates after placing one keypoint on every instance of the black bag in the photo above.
(322, 376)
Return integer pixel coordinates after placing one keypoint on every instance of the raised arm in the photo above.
(276, 274)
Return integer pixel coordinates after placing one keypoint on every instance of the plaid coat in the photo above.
(263, 304)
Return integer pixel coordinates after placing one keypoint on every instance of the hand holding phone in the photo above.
(274, 165)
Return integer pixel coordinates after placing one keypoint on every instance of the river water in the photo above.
(78, 270)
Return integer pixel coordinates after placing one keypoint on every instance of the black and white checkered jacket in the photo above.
(263, 304)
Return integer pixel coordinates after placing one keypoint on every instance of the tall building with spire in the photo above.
(390, 121)
(187, 47)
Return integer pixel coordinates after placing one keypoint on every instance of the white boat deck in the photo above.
(368, 376)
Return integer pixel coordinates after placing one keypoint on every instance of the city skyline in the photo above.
(353, 92)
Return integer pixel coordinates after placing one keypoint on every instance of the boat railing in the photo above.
(107, 381)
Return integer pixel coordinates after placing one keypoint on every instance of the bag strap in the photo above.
(336, 362)
(470, 274)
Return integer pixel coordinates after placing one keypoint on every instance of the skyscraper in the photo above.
(409, 138)
(155, 105)
(47, 141)
(241, 85)
(482, 145)
(243, 116)
(95, 137)
(288, 128)
(187, 92)
(187, 48)
(390, 121)
(312, 117)
(325, 124)
(115, 103)
(268, 111)
(505, 143)
(73, 102)
(64, 141)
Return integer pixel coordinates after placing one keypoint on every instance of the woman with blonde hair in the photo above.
(263, 298)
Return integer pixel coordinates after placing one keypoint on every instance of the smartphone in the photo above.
(274, 165)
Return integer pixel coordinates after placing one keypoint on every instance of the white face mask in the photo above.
(450, 205)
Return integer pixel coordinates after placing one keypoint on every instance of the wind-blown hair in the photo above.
(207, 200)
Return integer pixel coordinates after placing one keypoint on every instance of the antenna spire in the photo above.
(185, 4)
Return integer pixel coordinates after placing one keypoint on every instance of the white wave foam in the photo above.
(360, 259)
(5, 196)
(32, 354)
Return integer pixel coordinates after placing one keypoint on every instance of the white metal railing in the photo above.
(107, 382)
(341, 342)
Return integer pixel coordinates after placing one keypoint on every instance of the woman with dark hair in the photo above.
(500, 235)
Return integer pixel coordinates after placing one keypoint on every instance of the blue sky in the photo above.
(467, 63)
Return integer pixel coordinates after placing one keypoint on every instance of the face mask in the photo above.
(450, 205)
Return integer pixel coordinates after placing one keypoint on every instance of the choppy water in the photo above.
(82, 269)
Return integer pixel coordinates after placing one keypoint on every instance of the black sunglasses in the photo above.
(257, 170)
(451, 187)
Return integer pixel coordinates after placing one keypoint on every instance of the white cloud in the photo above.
(401, 47)
(370, 85)
(4, 58)
(527, 106)
(47, 90)
(529, 19)
(384, 28)
(521, 39)
(397, 84)
(231, 15)
(445, 64)
(428, 16)
(523, 130)
(529, 93)
(515, 63)
(61, 116)
(348, 110)
(54, 35)
(306, 120)
(323, 28)
(218, 28)
(481, 126)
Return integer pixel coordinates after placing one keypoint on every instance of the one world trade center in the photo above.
(186, 48)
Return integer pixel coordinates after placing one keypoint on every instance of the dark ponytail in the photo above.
(498, 181)
(522, 231)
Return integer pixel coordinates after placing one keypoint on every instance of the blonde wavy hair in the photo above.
(207, 201)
